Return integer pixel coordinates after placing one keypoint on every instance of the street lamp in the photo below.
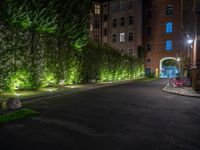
(178, 59)
(189, 41)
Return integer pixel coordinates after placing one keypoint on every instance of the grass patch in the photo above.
(17, 115)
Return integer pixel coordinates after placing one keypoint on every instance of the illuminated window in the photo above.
(97, 9)
(169, 27)
(168, 45)
(91, 27)
(122, 37)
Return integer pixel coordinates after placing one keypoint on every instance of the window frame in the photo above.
(169, 27)
(114, 38)
(97, 9)
(169, 10)
(122, 21)
(130, 36)
(168, 45)
(122, 37)
(114, 23)
(130, 20)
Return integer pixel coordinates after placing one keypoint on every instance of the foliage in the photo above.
(17, 115)
(45, 43)
(73, 67)
(107, 64)
(18, 80)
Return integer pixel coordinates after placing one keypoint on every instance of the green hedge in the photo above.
(104, 63)
(32, 60)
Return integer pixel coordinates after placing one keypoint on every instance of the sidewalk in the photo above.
(185, 91)
(32, 96)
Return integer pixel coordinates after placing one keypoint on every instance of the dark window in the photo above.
(105, 32)
(130, 51)
(149, 30)
(122, 21)
(114, 38)
(130, 20)
(169, 10)
(122, 5)
(105, 18)
(148, 47)
(130, 36)
(96, 38)
(114, 6)
(148, 60)
(114, 23)
(130, 4)
(96, 24)
(149, 14)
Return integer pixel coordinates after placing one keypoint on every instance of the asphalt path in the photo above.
(132, 116)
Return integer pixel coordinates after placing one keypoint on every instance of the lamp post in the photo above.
(190, 41)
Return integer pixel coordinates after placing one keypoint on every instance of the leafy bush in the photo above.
(18, 80)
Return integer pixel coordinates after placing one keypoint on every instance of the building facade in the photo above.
(190, 20)
(162, 36)
(117, 23)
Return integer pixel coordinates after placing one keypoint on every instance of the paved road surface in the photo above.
(133, 116)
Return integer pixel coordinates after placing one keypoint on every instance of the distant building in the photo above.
(162, 36)
(190, 20)
(117, 23)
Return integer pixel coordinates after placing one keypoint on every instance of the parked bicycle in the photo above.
(179, 82)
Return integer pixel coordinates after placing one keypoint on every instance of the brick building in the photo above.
(162, 36)
(117, 23)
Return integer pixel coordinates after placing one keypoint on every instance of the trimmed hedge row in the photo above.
(32, 60)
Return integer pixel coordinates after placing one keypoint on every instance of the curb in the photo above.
(63, 93)
(180, 94)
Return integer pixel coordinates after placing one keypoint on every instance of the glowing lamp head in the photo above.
(190, 41)
(178, 59)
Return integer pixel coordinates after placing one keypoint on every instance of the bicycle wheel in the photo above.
(172, 82)
(187, 82)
